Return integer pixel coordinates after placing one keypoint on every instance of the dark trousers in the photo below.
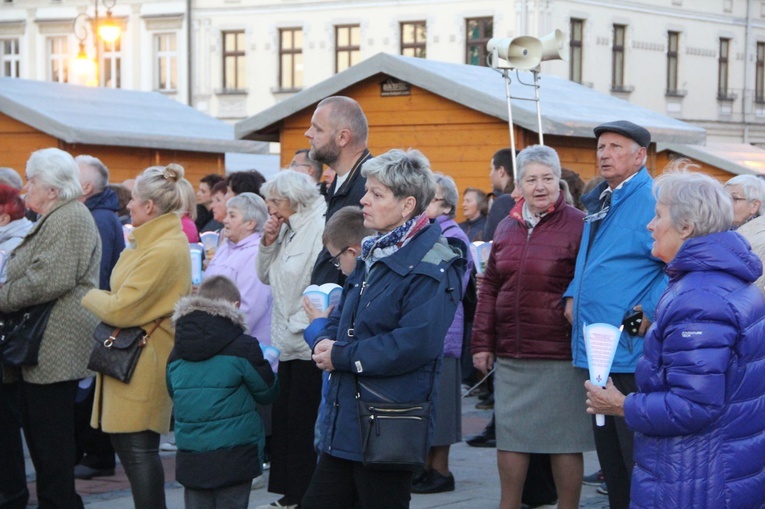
(230, 497)
(13, 482)
(139, 455)
(47, 414)
(293, 458)
(344, 484)
(94, 447)
(614, 443)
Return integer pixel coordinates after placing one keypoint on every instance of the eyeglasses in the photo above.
(294, 164)
(738, 198)
(438, 199)
(335, 260)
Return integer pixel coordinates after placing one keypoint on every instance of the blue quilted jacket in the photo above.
(699, 415)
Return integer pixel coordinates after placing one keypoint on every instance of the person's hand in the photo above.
(271, 230)
(645, 323)
(322, 355)
(568, 310)
(606, 401)
(313, 312)
(483, 361)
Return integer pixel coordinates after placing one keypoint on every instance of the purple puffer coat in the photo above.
(699, 415)
(453, 339)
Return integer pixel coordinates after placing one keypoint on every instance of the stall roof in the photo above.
(735, 158)
(568, 109)
(117, 117)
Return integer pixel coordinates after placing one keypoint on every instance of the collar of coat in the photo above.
(214, 307)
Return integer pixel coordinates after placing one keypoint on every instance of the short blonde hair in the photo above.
(162, 185)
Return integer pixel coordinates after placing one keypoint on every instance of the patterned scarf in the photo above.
(376, 247)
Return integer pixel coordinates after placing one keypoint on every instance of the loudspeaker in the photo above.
(553, 46)
(524, 52)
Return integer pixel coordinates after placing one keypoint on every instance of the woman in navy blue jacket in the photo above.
(699, 413)
(388, 330)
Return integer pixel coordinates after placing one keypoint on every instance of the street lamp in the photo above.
(108, 30)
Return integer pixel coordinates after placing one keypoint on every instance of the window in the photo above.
(759, 79)
(111, 63)
(479, 31)
(722, 69)
(234, 61)
(290, 58)
(413, 39)
(9, 55)
(575, 43)
(347, 46)
(673, 46)
(58, 59)
(165, 62)
(617, 58)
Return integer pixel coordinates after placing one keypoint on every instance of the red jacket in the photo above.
(520, 308)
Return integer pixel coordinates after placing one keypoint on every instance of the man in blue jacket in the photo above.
(616, 277)
(93, 444)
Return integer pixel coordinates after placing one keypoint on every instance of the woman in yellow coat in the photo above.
(152, 274)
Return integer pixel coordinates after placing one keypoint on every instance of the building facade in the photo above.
(701, 61)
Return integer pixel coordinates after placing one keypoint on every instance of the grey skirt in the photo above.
(540, 407)
(448, 408)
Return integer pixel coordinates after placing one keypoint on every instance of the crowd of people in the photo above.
(675, 261)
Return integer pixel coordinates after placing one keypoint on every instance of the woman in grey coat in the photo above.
(57, 261)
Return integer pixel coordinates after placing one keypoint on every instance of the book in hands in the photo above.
(323, 296)
(480, 252)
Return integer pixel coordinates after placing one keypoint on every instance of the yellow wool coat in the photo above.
(152, 274)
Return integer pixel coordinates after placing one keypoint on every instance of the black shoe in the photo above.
(419, 475)
(434, 482)
(84, 472)
(487, 404)
(486, 438)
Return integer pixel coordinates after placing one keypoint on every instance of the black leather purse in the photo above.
(117, 350)
(21, 333)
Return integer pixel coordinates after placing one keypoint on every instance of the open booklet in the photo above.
(324, 296)
(480, 251)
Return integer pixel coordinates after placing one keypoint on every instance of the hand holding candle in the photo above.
(600, 341)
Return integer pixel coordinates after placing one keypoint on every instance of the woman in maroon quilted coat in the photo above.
(520, 328)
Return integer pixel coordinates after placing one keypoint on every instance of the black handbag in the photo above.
(394, 436)
(117, 350)
(21, 333)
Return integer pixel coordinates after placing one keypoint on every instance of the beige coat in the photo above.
(286, 266)
(59, 259)
(152, 274)
(754, 232)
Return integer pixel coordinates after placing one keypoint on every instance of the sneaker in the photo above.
(602, 489)
(594, 479)
(434, 482)
(258, 482)
(266, 466)
(168, 447)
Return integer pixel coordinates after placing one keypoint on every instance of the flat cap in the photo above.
(626, 128)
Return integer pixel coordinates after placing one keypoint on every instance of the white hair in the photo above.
(298, 188)
(753, 188)
(252, 207)
(56, 169)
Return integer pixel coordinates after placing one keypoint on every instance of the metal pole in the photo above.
(510, 123)
(95, 41)
(539, 106)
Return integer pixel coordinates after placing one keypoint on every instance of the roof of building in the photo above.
(735, 158)
(568, 109)
(117, 117)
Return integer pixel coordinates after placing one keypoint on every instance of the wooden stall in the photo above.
(457, 116)
(127, 130)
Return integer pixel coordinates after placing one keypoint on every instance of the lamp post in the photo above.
(107, 30)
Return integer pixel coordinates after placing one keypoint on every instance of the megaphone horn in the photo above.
(553, 46)
(524, 52)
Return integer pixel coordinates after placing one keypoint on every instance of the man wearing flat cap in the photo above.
(617, 281)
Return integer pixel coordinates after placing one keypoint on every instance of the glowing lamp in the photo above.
(108, 30)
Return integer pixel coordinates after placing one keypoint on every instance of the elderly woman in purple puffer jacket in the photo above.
(699, 413)
(436, 478)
